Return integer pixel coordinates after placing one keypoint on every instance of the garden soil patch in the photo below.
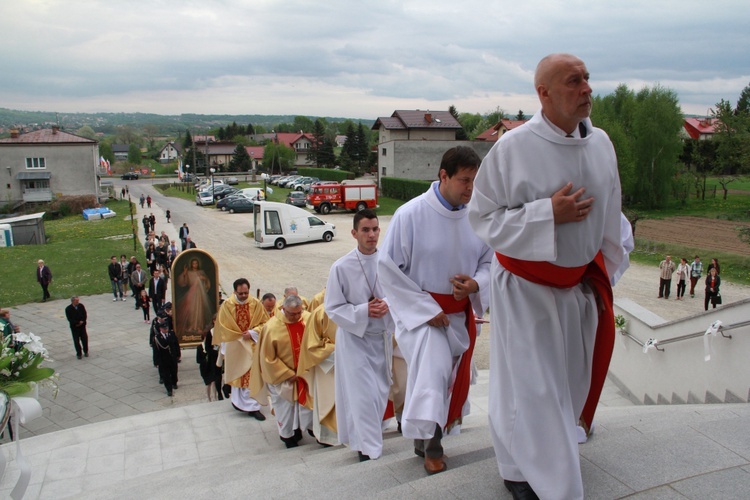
(711, 234)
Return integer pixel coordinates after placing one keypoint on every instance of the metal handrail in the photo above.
(658, 343)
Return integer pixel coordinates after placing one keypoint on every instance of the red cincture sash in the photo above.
(547, 274)
(463, 376)
(296, 330)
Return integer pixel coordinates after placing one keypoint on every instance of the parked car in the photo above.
(285, 182)
(299, 184)
(222, 203)
(129, 176)
(296, 198)
(204, 198)
(220, 192)
(232, 181)
(240, 205)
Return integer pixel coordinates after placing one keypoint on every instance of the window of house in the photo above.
(35, 163)
(384, 150)
(383, 174)
(37, 185)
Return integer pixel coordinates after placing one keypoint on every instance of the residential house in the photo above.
(46, 163)
(492, 134)
(411, 143)
(256, 155)
(300, 142)
(218, 153)
(170, 152)
(120, 151)
(700, 128)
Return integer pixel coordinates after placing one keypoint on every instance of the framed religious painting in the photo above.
(195, 295)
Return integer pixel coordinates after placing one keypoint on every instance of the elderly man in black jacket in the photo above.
(77, 317)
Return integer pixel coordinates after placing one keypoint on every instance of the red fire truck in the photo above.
(348, 195)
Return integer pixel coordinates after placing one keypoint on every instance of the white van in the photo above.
(252, 193)
(278, 225)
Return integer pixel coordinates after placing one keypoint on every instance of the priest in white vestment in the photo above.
(435, 273)
(354, 301)
(547, 200)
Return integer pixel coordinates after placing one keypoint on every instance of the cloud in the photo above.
(358, 59)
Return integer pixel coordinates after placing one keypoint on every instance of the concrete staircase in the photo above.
(209, 450)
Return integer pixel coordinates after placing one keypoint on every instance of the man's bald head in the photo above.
(561, 82)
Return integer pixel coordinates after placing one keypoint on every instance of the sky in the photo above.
(357, 58)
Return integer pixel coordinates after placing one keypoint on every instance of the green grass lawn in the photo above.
(77, 253)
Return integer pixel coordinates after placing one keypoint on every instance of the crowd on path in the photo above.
(391, 335)
(692, 273)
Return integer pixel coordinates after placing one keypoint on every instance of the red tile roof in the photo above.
(288, 139)
(48, 136)
(494, 133)
(696, 127)
(255, 152)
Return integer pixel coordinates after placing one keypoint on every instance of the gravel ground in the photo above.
(306, 266)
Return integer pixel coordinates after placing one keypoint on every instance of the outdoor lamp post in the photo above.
(213, 186)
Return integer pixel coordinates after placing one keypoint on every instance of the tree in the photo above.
(188, 142)
(743, 103)
(277, 157)
(150, 133)
(302, 124)
(460, 134)
(644, 129)
(520, 116)
(362, 146)
(250, 130)
(315, 155)
(657, 121)
(86, 131)
(240, 161)
(134, 154)
(105, 151)
(348, 154)
(732, 136)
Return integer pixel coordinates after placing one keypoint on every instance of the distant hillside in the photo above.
(168, 124)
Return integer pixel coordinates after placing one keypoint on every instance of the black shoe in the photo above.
(227, 390)
(418, 452)
(170, 394)
(257, 415)
(297, 435)
(79, 356)
(85, 355)
(290, 442)
(399, 428)
(363, 457)
(175, 386)
(520, 490)
(311, 433)
(324, 445)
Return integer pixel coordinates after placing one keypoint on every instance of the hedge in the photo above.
(402, 189)
(326, 174)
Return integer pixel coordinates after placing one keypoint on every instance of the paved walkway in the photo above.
(120, 436)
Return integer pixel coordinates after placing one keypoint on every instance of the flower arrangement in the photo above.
(620, 321)
(20, 364)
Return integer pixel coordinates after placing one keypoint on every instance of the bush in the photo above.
(327, 174)
(402, 189)
(67, 205)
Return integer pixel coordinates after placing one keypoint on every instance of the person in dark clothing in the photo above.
(169, 216)
(115, 278)
(77, 317)
(152, 221)
(713, 282)
(143, 302)
(146, 224)
(167, 352)
(206, 355)
(44, 277)
(148, 201)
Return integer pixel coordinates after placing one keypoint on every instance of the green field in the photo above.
(77, 253)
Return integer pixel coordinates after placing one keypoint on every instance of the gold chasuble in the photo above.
(232, 321)
(276, 356)
(318, 343)
(316, 301)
